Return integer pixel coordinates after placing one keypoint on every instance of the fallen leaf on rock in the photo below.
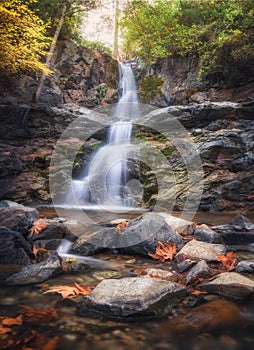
(4, 330)
(10, 321)
(38, 226)
(122, 225)
(197, 292)
(164, 251)
(37, 250)
(69, 291)
(228, 260)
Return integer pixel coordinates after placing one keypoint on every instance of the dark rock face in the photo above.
(80, 75)
(131, 298)
(36, 273)
(223, 136)
(181, 84)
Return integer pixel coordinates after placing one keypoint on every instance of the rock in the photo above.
(16, 256)
(209, 317)
(49, 244)
(16, 238)
(139, 237)
(184, 266)
(204, 233)
(179, 225)
(230, 285)
(201, 269)
(161, 274)
(131, 298)
(242, 223)
(237, 237)
(18, 218)
(52, 231)
(36, 273)
(245, 266)
(147, 230)
(196, 250)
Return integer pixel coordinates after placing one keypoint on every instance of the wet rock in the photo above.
(36, 273)
(184, 266)
(131, 298)
(201, 269)
(139, 237)
(204, 233)
(212, 316)
(49, 244)
(196, 250)
(242, 223)
(147, 229)
(16, 256)
(245, 266)
(178, 225)
(230, 285)
(52, 231)
(237, 237)
(15, 238)
(18, 217)
(162, 274)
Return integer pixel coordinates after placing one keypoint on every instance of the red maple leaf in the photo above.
(164, 251)
(228, 260)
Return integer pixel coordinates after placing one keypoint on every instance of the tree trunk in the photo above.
(50, 54)
(116, 30)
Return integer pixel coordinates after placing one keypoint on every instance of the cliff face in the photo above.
(180, 83)
(80, 75)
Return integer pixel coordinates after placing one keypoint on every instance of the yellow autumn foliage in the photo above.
(23, 41)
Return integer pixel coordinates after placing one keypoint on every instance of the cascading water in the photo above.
(105, 180)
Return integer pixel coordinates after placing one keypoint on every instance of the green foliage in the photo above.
(218, 32)
(22, 38)
(150, 87)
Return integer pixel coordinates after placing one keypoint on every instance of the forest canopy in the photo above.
(218, 32)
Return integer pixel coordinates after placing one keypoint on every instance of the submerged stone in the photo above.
(132, 298)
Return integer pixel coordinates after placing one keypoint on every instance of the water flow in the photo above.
(105, 179)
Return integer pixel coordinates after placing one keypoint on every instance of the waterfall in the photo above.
(105, 179)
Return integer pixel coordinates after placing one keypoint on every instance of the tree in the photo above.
(66, 6)
(23, 39)
(218, 32)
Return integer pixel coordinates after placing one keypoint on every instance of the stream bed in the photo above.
(211, 322)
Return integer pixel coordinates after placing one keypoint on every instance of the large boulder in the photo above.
(131, 297)
(17, 217)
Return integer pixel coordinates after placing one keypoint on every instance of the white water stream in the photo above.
(105, 179)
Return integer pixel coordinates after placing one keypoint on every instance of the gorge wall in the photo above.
(223, 132)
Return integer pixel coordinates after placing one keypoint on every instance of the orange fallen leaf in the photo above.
(198, 292)
(10, 321)
(4, 330)
(38, 315)
(228, 261)
(122, 225)
(7, 153)
(69, 291)
(154, 275)
(37, 250)
(38, 226)
(51, 344)
(164, 251)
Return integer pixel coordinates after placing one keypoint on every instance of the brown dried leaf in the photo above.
(69, 291)
(10, 321)
(228, 261)
(38, 226)
(38, 315)
(164, 251)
